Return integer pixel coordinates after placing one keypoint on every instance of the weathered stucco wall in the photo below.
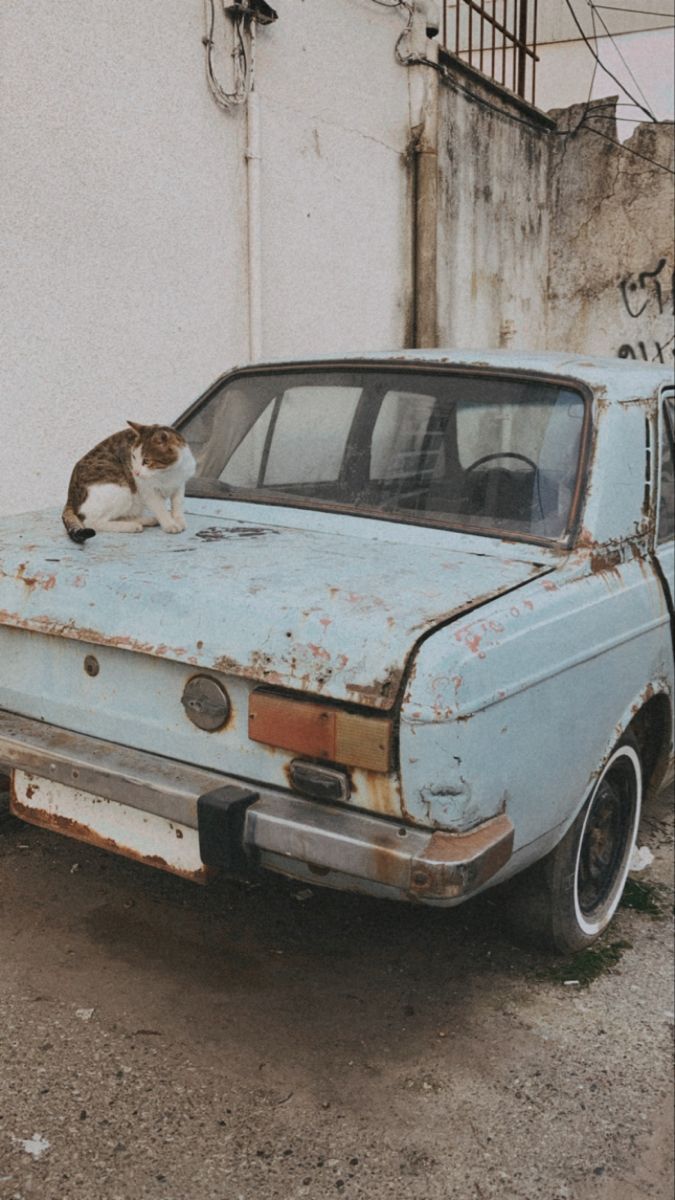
(611, 265)
(552, 235)
(494, 219)
(123, 202)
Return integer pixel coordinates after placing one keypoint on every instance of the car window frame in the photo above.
(565, 542)
(665, 428)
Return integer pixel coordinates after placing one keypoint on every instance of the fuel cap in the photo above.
(206, 703)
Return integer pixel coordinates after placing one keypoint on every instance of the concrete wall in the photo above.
(611, 260)
(493, 241)
(123, 202)
(550, 234)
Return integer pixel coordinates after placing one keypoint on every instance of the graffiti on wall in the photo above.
(646, 296)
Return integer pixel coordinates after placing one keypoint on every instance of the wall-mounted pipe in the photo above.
(254, 217)
(424, 166)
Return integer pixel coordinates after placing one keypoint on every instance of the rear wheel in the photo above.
(569, 898)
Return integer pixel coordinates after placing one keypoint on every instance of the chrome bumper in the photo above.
(328, 845)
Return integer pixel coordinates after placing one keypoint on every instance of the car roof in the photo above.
(619, 378)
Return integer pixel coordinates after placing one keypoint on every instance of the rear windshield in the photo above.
(489, 455)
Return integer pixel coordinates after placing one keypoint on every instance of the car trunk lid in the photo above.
(334, 610)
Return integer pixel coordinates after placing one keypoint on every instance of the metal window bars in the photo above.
(498, 37)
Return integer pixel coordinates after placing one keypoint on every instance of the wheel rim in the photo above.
(607, 840)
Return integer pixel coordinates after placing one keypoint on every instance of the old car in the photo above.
(416, 638)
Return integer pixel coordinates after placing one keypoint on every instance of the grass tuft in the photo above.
(643, 897)
(587, 965)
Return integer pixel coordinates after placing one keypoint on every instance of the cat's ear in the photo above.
(136, 427)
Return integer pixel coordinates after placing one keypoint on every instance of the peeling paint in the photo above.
(290, 613)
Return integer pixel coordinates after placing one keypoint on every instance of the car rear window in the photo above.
(486, 454)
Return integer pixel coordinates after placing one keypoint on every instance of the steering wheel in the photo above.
(502, 454)
(522, 458)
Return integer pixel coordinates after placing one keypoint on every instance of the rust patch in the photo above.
(471, 640)
(448, 847)
(380, 688)
(585, 540)
(476, 856)
(225, 664)
(386, 869)
(82, 633)
(380, 793)
(46, 582)
(56, 823)
(319, 651)
(608, 560)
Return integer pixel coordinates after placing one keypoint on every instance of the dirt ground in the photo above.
(250, 1041)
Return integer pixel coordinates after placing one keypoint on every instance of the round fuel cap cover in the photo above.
(206, 703)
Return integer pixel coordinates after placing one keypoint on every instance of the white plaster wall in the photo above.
(337, 221)
(123, 202)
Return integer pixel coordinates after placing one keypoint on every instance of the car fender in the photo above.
(517, 707)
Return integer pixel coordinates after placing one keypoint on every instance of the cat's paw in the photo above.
(135, 527)
(148, 521)
(171, 525)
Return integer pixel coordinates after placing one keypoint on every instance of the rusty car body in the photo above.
(416, 638)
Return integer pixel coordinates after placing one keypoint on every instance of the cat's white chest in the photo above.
(171, 480)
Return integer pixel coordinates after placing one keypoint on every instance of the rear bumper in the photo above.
(152, 800)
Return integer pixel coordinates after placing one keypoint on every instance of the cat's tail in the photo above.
(75, 527)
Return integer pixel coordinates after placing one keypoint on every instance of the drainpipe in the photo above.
(424, 97)
(254, 223)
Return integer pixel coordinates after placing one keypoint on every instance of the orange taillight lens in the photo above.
(320, 731)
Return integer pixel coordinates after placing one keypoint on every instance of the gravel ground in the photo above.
(168, 1042)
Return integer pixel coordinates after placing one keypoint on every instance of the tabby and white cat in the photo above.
(133, 473)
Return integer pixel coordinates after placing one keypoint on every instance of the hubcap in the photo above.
(607, 833)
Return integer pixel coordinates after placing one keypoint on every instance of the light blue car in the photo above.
(416, 638)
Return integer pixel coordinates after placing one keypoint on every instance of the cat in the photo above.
(137, 469)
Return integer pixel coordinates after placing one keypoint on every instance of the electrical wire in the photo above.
(587, 105)
(630, 150)
(611, 38)
(406, 60)
(243, 67)
(588, 110)
(582, 124)
(607, 71)
(638, 12)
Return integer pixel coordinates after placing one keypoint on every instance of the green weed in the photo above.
(643, 897)
(587, 965)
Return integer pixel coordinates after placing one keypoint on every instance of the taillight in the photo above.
(320, 731)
